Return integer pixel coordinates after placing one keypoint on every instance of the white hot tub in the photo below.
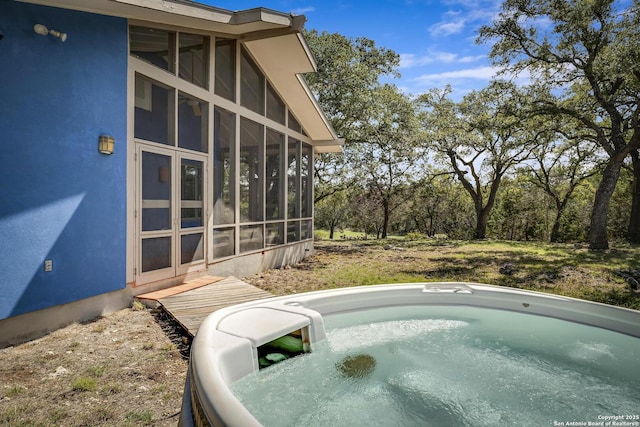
(435, 353)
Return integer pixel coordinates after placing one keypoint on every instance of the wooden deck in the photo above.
(191, 302)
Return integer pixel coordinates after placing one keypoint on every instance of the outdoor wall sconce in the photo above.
(106, 144)
(44, 31)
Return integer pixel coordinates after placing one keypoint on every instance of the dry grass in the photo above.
(118, 370)
(561, 269)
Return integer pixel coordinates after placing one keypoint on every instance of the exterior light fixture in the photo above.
(106, 144)
(44, 31)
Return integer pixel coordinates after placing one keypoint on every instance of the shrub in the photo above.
(84, 384)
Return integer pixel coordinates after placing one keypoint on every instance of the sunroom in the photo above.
(157, 141)
(222, 130)
(222, 164)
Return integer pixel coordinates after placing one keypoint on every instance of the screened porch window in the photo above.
(293, 124)
(251, 84)
(274, 166)
(251, 171)
(293, 174)
(154, 111)
(306, 181)
(224, 169)
(251, 237)
(225, 72)
(274, 234)
(154, 46)
(192, 123)
(193, 59)
(276, 110)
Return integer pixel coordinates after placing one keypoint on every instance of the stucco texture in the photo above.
(60, 199)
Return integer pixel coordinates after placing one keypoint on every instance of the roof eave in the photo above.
(181, 13)
(285, 59)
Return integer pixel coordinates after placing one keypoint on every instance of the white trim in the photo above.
(191, 204)
(155, 204)
(131, 178)
(236, 159)
(168, 272)
(176, 232)
(202, 204)
(144, 96)
(169, 79)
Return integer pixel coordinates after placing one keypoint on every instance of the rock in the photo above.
(632, 277)
(358, 366)
(507, 269)
(60, 371)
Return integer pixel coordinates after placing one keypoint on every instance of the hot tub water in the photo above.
(446, 365)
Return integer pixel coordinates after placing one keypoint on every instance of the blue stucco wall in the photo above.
(60, 199)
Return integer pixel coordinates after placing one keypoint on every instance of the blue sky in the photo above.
(435, 38)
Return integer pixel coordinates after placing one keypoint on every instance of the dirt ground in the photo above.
(118, 370)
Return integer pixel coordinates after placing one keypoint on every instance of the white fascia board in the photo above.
(316, 107)
(307, 49)
(332, 146)
(261, 14)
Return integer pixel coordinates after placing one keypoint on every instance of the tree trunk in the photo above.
(484, 212)
(555, 230)
(481, 224)
(560, 206)
(430, 231)
(385, 224)
(633, 234)
(600, 212)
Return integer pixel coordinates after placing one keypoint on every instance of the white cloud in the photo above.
(303, 10)
(479, 73)
(444, 28)
(471, 77)
(465, 13)
(446, 57)
(410, 60)
(469, 59)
